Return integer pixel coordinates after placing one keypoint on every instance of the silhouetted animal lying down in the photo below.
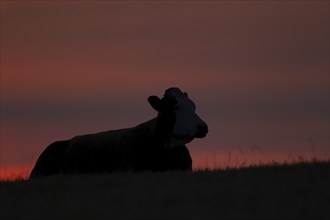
(155, 145)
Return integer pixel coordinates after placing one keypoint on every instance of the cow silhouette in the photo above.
(155, 145)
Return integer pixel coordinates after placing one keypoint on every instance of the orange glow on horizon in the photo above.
(15, 172)
(201, 161)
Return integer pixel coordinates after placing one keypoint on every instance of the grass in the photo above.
(287, 191)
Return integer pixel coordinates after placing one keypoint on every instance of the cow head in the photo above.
(182, 122)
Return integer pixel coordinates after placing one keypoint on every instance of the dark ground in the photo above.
(300, 191)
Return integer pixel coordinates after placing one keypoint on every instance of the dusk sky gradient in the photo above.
(258, 72)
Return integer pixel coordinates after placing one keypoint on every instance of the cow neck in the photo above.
(164, 127)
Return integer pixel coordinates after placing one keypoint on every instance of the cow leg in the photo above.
(179, 158)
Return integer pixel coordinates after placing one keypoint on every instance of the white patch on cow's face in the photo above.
(188, 125)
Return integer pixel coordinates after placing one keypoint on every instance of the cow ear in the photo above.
(155, 102)
(186, 94)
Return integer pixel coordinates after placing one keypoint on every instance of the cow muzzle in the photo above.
(202, 130)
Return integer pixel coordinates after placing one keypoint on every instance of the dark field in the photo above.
(300, 191)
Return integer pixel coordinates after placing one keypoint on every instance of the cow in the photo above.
(155, 145)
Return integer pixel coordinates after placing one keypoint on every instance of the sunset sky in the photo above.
(258, 72)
